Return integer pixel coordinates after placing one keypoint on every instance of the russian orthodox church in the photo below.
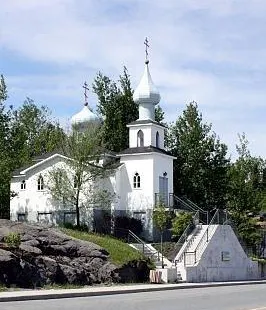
(144, 173)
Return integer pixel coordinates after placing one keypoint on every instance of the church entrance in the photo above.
(163, 189)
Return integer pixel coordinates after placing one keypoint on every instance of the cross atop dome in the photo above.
(146, 94)
(85, 117)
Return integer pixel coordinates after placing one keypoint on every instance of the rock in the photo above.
(47, 256)
(30, 249)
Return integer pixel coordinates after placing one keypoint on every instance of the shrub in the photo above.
(180, 222)
(13, 240)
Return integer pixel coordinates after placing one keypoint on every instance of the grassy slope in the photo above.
(120, 252)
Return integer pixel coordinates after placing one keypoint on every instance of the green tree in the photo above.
(5, 159)
(180, 223)
(200, 171)
(161, 217)
(116, 106)
(33, 131)
(79, 182)
(246, 194)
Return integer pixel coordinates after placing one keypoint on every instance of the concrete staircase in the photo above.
(192, 250)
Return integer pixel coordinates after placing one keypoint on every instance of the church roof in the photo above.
(144, 149)
(145, 121)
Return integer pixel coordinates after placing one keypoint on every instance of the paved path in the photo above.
(248, 297)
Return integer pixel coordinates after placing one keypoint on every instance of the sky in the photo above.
(209, 51)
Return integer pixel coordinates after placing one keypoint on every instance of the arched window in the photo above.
(40, 184)
(157, 139)
(23, 185)
(75, 181)
(140, 138)
(136, 180)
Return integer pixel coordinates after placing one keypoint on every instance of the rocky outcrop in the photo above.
(47, 256)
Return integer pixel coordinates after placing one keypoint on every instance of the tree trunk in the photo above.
(162, 248)
(77, 209)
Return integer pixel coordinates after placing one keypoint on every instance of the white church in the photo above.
(145, 169)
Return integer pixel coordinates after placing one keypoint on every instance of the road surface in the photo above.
(246, 297)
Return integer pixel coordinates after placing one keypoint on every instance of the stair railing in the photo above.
(184, 237)
(155, 254)
(189, 205)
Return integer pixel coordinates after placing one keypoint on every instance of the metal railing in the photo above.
(131, 237)
(176, 202)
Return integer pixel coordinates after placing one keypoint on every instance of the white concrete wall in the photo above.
(162, 164)
(211, 267)
(138, 202)
(149, 131)
(32, 201)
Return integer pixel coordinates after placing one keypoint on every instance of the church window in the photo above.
(23, 185)
(136, 181)
(157, 139)
(40, 183)
(75, 182)
(140, 137)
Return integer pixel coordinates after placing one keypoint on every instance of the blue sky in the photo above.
(210, 51)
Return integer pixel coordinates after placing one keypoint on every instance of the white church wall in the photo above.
(163, 164)
(138, 202)
(31, 200)
(149, 132)
(223, 260)
(154, 131)
(133, 134)
(35, 203)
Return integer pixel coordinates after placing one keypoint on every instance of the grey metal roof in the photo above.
(144, 149)
(146, 121)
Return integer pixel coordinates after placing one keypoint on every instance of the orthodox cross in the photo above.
(85, 86)
(146, 42)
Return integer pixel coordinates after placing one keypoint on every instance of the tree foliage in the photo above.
(117, 108)
(200, 171)
(180, 222)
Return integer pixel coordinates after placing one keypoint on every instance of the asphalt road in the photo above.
(247, 297)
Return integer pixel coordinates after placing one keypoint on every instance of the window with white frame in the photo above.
(140, 138)
(23, 185)
(136, 180)
(40, 183)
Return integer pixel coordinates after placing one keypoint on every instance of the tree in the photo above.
(33, 132)
(116, 106)
(5, 158)
(79, 182)
(118, 109)
(180, 223)
(246, 194)
(200, 171)
(161, 217)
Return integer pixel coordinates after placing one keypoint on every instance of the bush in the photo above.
(13, 240)
(180, 222)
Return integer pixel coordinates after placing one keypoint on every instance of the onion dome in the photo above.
(82, 119)
(146, 95)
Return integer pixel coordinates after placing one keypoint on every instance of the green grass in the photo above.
(120, 252)
(3, 288)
